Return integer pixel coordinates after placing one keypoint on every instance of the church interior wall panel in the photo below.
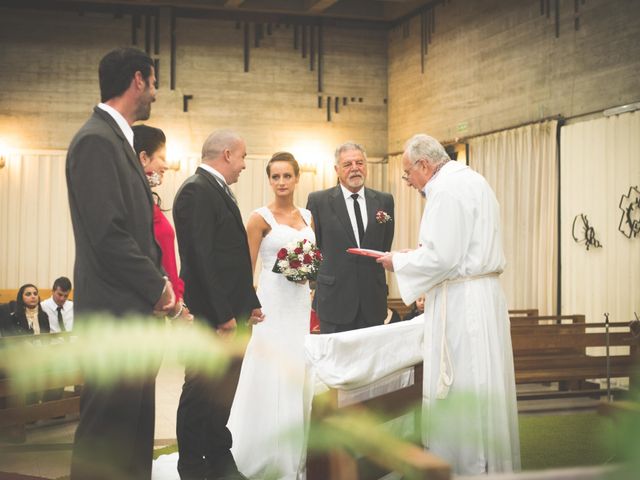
(277, 95)
(494, 64)
(599, 163)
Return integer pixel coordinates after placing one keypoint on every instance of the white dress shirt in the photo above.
(122, 123)
(351, 210)
(51, 309)
(214, 172)
(220, 178)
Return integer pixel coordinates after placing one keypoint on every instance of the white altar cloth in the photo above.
(349, 360)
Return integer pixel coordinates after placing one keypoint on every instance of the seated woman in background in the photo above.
(28, 318)
(150, 146)
(417, 308)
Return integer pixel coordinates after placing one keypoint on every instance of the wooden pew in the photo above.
(389, 454)
(554, 349)
(527, 312)
(398, 305)
(15, 412)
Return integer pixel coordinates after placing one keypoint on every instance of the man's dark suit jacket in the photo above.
(117, 267)
(117, 271)
(216, 269)
(348, 282)
(214, 252)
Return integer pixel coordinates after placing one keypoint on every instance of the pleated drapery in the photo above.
(36, 236)
(521, 166)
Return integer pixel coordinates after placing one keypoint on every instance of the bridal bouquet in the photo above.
(298, 261)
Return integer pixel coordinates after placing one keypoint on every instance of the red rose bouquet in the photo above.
(298, 261)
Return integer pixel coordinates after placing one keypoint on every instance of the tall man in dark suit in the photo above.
(117, 266)
(351, 290)
(216, 269)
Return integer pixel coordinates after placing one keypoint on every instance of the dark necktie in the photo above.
(356, 208)
(60, 321)
(228, 191)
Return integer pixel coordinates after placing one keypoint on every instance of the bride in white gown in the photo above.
(267, 417)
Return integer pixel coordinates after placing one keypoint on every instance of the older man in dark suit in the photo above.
(351, 290)
(216, 268)
(117, 266)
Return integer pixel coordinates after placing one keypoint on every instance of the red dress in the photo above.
(165, 236)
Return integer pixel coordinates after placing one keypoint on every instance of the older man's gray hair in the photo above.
(423, 147)
(346, 146)
(217, 142)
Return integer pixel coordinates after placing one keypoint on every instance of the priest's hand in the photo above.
(386, 261)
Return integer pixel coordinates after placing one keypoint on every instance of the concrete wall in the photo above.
(49, 84)
(493, 64)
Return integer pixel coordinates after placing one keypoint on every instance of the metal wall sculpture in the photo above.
(587, 235)
(630, 219)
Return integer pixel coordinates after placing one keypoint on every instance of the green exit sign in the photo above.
(463, 126)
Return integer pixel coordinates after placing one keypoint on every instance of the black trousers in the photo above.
(360, 321)
(114, 438)
(204, 441)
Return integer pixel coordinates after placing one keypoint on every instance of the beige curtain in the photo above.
(36, 237)
(521, 166)
(600, 161)
(36, 240)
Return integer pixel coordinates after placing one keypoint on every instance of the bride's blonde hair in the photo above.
(284, 157)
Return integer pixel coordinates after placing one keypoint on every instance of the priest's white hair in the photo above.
(217, 142)
(423, 147)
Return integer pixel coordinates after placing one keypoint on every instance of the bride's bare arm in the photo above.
(257, 228)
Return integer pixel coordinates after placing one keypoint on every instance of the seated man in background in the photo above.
(58, 307)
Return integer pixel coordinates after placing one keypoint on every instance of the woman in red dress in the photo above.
(150, 146)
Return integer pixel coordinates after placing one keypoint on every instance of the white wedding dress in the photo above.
(267, 417)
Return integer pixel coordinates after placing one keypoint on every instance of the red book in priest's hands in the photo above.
(366, 252)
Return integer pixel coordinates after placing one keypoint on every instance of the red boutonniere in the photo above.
(383, 217)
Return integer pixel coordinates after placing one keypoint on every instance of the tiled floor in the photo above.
(47, 451)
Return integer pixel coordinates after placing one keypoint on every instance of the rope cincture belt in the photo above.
(446, 374)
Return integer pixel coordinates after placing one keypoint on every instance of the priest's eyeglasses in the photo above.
(407, 172)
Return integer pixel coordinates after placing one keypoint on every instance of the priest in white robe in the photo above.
(469, 396)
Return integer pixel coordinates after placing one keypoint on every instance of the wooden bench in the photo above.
(15, 411)
(527, 312)
(388, 453)
(398, 305)
(555, 349)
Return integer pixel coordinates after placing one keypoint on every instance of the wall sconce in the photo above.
(311, 154)
(4, 151)
(308, 167)
(175, 153)
(174, 165)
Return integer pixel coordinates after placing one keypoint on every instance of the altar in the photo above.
(367, 393)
